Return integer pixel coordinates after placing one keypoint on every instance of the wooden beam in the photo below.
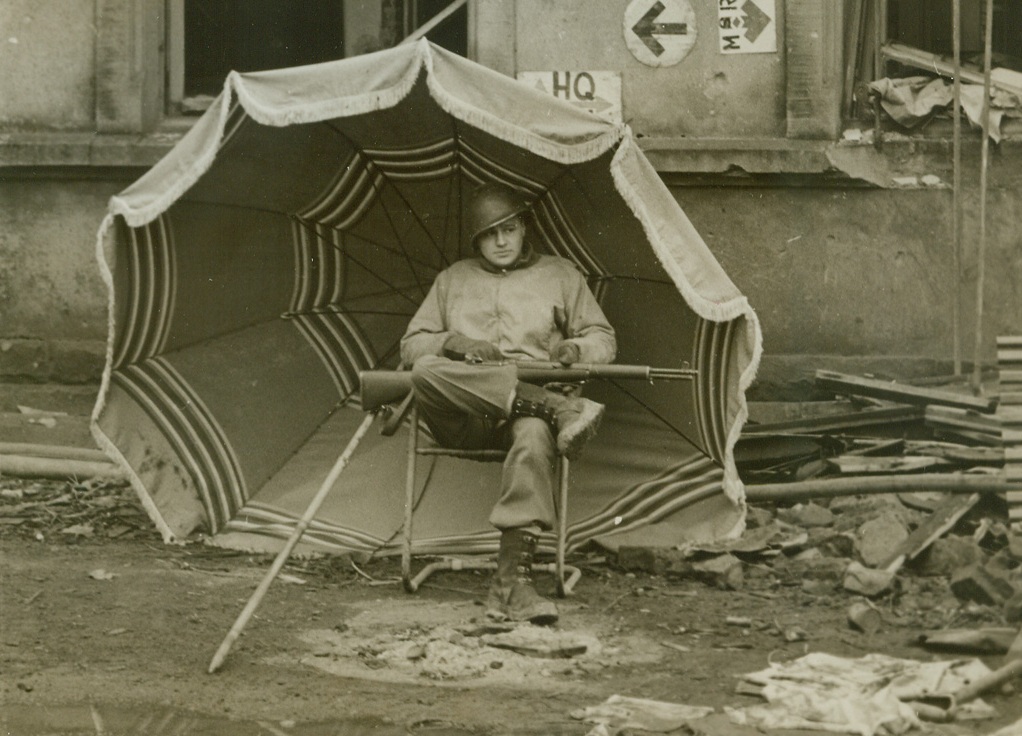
(853, 385)
(838, 422)
(935, 63)
(878, 484)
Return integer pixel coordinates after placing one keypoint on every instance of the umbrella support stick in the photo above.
(296, 535)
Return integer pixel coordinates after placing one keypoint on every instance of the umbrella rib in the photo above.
(657, 414)
(369, 241)
(386, 210)
(436, 246)
(392, 288)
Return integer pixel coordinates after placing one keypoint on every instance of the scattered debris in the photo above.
(619, 712)
(72, 510)
(977, 641)
(865, 617)
(874, 694)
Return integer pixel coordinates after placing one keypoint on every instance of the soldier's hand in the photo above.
(567, 353)
(460, 347)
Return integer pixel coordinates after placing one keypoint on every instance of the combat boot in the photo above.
(572, 419)
(512, 595)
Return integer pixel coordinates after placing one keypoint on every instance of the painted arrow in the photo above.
(755, 20)
(647, 26)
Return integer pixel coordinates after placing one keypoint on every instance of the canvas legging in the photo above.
(466, 407)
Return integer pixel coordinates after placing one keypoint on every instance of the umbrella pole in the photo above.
(310, 513)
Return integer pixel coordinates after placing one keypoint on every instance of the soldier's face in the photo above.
(501, 245)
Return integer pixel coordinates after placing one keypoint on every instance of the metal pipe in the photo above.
(977, 370)
(956, 188)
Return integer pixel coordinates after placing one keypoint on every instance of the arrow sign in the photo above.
(755, 20)
(647, 27)
(660, 33)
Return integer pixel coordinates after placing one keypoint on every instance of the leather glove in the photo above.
(566, 353)
(460, 347)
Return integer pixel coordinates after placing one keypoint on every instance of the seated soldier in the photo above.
(508, 303)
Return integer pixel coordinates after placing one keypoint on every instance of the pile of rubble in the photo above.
(887, 488)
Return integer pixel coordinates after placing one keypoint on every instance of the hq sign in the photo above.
(597, 92)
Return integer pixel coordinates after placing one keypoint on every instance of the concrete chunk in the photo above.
(981, 584)
(866, 581)
(879, 538)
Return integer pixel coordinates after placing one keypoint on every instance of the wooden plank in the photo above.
(949, 416)
(1014, 499)
(1009, 355)
(1009, 341)
(845, 384)
(943, 518)
(934, 63)
(861, 465)
(965, 437)
(838, 422)
(961, 455)
(1009, 416)
(1011, 436)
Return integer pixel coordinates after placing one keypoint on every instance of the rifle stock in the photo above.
(381, 387)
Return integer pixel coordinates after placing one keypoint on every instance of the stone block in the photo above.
(981, 584)
(866, 581)
(879, 538)
(831, 544)
(637, 559)
(946, 555)
(808, 515)
(723, 571)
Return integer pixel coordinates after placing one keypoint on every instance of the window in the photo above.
(898, 39)
(927, 25)
(206, 39)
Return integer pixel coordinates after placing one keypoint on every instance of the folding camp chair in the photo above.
(416, 448)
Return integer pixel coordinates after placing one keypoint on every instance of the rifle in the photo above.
(381, 387)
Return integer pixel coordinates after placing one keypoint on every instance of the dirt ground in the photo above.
(106, 630)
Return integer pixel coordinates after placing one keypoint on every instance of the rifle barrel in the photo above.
(379, 387)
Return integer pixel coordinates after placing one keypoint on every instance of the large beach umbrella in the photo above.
(281, 248)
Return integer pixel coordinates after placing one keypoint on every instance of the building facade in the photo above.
(794, 133)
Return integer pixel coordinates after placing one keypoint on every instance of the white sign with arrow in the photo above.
(660, 32)
(747, 26)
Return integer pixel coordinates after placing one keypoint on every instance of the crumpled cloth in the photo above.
(620, 712)
(865, 696)
(911, 101)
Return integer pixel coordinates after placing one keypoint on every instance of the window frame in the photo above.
(178, 105)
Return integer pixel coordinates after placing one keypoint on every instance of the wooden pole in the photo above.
(998, 677)
(956, 191)
(873, 484)
(310, 513)
(56, 468)
(977, 370)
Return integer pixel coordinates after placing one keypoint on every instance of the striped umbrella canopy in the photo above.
(282, 247)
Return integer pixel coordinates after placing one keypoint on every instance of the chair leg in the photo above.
(406, 546)
(565, 576)
(562, 528)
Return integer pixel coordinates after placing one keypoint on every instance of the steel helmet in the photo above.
(492, 204)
